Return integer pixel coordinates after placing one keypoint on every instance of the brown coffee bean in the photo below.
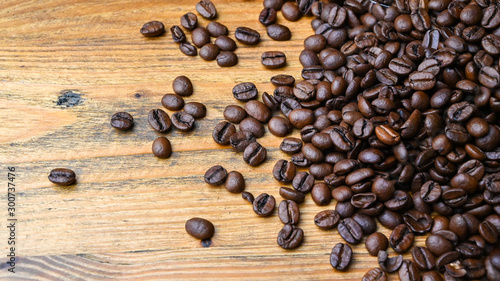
(401, 238)
(288, 212)
(376, 242)
(235, 183)
(200, 228)
(162, 148)
(387, 135)
(341, 256)
(62, 176)
(153, 29)
(292, 194)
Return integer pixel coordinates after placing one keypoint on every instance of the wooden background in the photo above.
(125, 218)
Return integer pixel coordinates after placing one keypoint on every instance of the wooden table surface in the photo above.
(125, 218)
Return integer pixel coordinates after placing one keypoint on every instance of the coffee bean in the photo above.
(423, 258)
(200, 37)
(342, 138)
(153, 29)
(254, 154)
(280, 126)
(290, 145)
(401, 238)
(247, 196)
(177, 34)
(376, 242)
(375, 274)
(488, 232)
(350, 230)
(274, 4)
(182, 86)
(273, 59)
(216, 175)
(389, 264)
(162, 147)
(341, 256)
(159, 120)
(195, 109)
(234, 183)
(270, 102)
(200, 228)
(288, 212)
(264, 204)
(422, 81)
(182, 121)
(227, 59)
(172, 102)
(253, 126)
(62, 176)
(217, 29)
(303, 182)
(240, 140)
(209, 52)
(223, 132)
(234, 113)
(257, 110)
(321, 194)
(291, 11)
(122, 121)
(247, 35)
(284, 171)
(279, 32)
(327, 219)
(206, 9)
(438, 245)
(291, 194)
(387, 135)
(267, 16)
(245, 91)
(225, 43)
(189, 21)
(282, 80)
(408, 272)
(188, 49)
(290, 237)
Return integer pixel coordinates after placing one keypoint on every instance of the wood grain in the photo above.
(124, 220)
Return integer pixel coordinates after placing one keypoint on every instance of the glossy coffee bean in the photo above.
(376, 242)
(273, 59)
(280, 126)
(247, 196)
(188, 49)
(423, 258)
(227, 59)
(258, 110)
(375, 274)
(247, 35)
(321, 194)
(245, 91)
(206, 9)
(159, 120)
(152, 29)
(284, 171)
(172, 102)
(183, 121)
(122, 121)
(290, 237)
(235, 183)
(341, 256)
(303, 182)
(62, 176)
(264, 205)
(189, 21)
(279, 32)
(195, 109)
(290, 145)
(389, 264)
(209, 52)
(327, 219)
(254, 154)
(350, 231)
(408, 271)
(216, 175)
(401, 238)
(162, 148)
(177, 34)
(200, 228)
(292, 194)
(253, 126)
(182, 86)
(288, 212)
(240, 140)
(223, 132)
(234, 113)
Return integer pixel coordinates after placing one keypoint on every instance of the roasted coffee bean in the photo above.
(62, 176)
(291, 145)
(258, 110)
(280, 126)
(488, 232)
(291, 194)
(254, 154)
(376, 242)
(387, 135)
(247, 35)
(430, 192)
(301, 117)
(189, 21)
(375, 274)
(408, 272)
(291, 11)
(342, 138)
(240, 140)
(206, 9)
(350, 230)
(431, 275)
(162, 147)
(227, 59)
(389, 264)
(282, 80)
(321, 194)
(288, 212)
(183, 121)
(247, 196)
(312, 153)
(288, 105)
(188, 49)
(182, 86)
(200, 228)
(153, 29)
(270, 102)
(267, 16)
(401, 238)
(172, 102)
(290, 237)
(284, 171)
(342, 193)
(264, 205)
(209, 52)
(217, 29)
(223, 132)
(234, 113)
(341, 256)
(327, 219)
(279, 32)
(225, 43)
(235, 183)
(303, 182)
(438, 245)
(273, 59)
(253, 126)
(159, 120)
(122, 121)
(216, 175)
(195, 109)
(200, 37)
(177, 34)
(423, 258)
(245, 91)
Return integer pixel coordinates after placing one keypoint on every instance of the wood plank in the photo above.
(125, 218)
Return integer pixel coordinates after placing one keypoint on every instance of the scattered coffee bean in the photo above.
(162, 147)
(235, 183)
(290, 237)
(254, 154)
(188, 49)
(223, 132)
(62, 176)
(182, 86)
(264, 205)
(248, 197)
(172, 102)
(183, 121)
(216, 175)
(209, 52)
(292, 194)
(279, 32)
(195, 109)
(341, 256)
(273, 59)
(200, 228)
(189, 21)
(217, 29)
(376, 242)
(177, 34)
(159, 120)
(153, 29)
(247, 35)
(122, 121)
(206, 9)
(327, 219)
(288, 212)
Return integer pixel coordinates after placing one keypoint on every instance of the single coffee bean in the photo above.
(422, 81)
(270, 102)
(188, 49)
(227, 59)
(341, 193)
(159, 120)
(303, 182)
(253, 126)
(327, 219)
(290, 237)
(183, 121)
(162, 147)
(206, 9)
(417, 221)
(488, 232)
(365, 220)
(389, 264)
(350, 230)
(375, 274)
(267, 16)
(423, 258)
(62, 176)
(273, 59)
(216, 175)
(341, 256)
(408, 271)
(291, 11)
(247, 196)
(225, 43)
(122, 121)
(234, 113)
(321, 194)
(342, 138)
(234, 183)
(223, 132)
(264, 204)
(200, 228)
(177, 34)
(376, 242)
(387, 135)
(258, 110)
(245, 91)
(274, 4)
(182, 86)
(431, 276)
(401, 238)
(284, 171)
(288, 212)
(200, 37)
(280, 126)
(209, 52)
(189, 21)
(196, 109)
(290, 145)
(172, 102)
(438, 245)
(254, 154)
(217, 29)
(279, 32)
(153, 29)
(240, 140)
(282, 80)
(247, 35)
(291, 194)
